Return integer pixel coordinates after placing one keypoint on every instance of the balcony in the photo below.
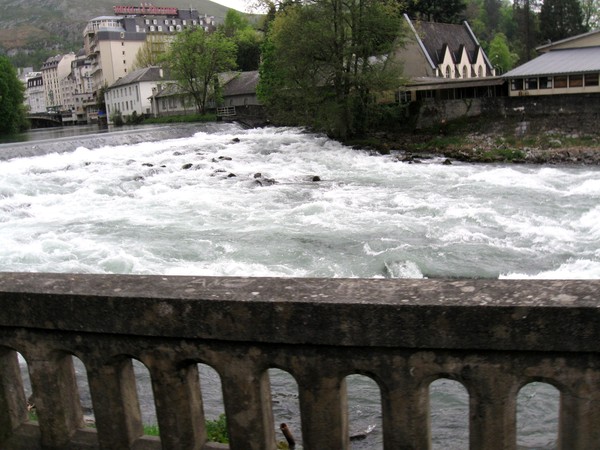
(492, 336)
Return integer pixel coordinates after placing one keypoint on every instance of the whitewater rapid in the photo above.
(230, 201)
(218, 199)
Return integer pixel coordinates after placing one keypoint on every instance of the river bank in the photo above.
(489, 141)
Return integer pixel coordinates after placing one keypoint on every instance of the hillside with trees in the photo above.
(31, 30)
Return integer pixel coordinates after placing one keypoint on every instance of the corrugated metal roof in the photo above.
(556, 62)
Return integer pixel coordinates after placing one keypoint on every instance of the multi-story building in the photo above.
(35, 97)
(54, 71)
(131, 94)
(112, 42)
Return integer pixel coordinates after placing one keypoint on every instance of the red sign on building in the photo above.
(146, 9)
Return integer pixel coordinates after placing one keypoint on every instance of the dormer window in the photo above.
(448, 72)
(464, 72)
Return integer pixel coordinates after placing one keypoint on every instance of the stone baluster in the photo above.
(55, 395)
(116, 406)
(324, 411)
(579, 423)
(13, 408)
(178, 401)
(247, 399)
(405, 408)
(492, 408)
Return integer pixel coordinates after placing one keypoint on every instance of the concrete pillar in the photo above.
(13, 407)
(55, 394)
(116, 406)
(247, 399)
(324, 411)
(406, 419)
(579, 419)
(178, 402)
(492, 409)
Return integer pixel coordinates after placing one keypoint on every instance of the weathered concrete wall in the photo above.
(578, 113)
(493, 336)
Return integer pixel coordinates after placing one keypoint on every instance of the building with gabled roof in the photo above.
(132, 93)
(442, 50)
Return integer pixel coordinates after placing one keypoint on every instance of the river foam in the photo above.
(222, 200)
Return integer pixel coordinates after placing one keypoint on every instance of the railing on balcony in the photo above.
(493, 336)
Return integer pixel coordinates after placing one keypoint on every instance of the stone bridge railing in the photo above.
(492, 336)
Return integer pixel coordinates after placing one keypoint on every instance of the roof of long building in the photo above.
(557, 62)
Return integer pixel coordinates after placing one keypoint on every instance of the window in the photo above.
(575, 81)
(516, 84)
(532, 83)
(480, 71)
(560, 81)
(545, 83)
(464, 72)
(160, 29)
(122, 44)
(448, 74)
(591, 79)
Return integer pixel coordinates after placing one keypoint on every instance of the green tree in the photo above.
(525, 16)
(12, 109)
(447, 11)
(195, 59)
(152, 52)
(560, 19)
(591, 14)
(247, 39)
(500, 55)
(324, 61)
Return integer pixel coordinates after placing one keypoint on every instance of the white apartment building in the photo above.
(54, 72)
(112, 42)
(35, 97)
(132, 93)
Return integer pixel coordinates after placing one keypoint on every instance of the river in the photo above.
(217, 199)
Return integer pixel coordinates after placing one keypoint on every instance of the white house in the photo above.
(132, 93)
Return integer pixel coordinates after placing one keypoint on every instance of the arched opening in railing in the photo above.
(538, 406)
(26, 383)
(143, 385)
(449, 410)
(211, 390)
(364, 413)
(85, 397)
(285, 405)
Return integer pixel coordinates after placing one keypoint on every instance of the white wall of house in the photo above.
(129, 98)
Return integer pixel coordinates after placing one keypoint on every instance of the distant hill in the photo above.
(40, 27)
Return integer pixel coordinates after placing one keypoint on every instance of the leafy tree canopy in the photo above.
(560, 19)
(324, 61)
(247, 39)
(447, 11)
(500, 55)
(12, 110)
(195, 58)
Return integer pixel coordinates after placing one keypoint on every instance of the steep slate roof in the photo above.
(557, 62)
(244, 83)
(436, 36)
(152, 73)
